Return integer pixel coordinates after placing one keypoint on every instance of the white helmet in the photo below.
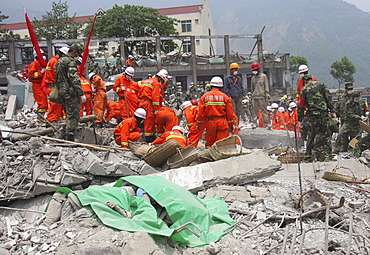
(178, 128)
(302, 69)
(130, 71)
(281, 109)
(91, 75)
(64, 50)
(292, 105)
(79, 59)
(130, 56)
(217, 82)
(163, 74)
(185, 105)
(274, 106)
(141, 113)
(268, 107)
(35, 53)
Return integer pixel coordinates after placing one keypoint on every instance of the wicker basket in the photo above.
(204, 156)
(161, 153)
(287, 159)
(183, 157)
(139, 149)
(333, 176)
(225, 148)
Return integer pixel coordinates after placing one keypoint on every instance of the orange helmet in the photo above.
(255, 65)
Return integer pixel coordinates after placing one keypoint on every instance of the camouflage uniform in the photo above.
(363, 144)
(315, 97)
(350, 114)
(70, 91)
(342, 100)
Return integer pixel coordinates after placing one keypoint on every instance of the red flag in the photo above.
(81, 69)
(35, 43)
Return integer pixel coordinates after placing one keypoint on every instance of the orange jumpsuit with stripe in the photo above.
(216, 109)
(126, 131)
(293, 119)
(170, 135)
(300, 86)
(113, 111)
(100, 98)
(149, 96)
(35, 76)
(165, 120)
(55, 111)
(194, 135)
(88, 105)
(277, 121)
(127, 92)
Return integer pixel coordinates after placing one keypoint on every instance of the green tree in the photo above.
(135, 21)
(6, 34)
(56, 24)
(295, 62)
(343, 70)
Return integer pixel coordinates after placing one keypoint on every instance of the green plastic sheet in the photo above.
(210, 215)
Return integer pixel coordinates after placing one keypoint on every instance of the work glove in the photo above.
(83, 99)
(123, 88)
(155, 112)
(43, 70)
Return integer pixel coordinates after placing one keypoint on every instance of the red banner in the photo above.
(81, 69)
(35, 43)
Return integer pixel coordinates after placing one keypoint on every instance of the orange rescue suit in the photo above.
(216, 109)
(113, 111)
(300, 86)
(170, 135)
(194, 135)
(127, 92)
(165, 120)
(277, 121)
(126, 131)
(88, 105)
(100, 97)
(35, 76)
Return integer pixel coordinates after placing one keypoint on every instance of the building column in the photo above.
(158, 52)
(49, 45)
(227, 53)
(12, 55)
(193, 60)
(260, 52)
(122, 47)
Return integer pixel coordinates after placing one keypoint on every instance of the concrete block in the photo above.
(10, 109)
(72, 179)
(263, 137)
(356, 204)
(96, 168)
(49, 151)
(146, 169)
(120, 169)
(42, 188)
(40, 173)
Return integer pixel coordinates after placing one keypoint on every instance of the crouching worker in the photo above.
(128, 129)
(177, 133)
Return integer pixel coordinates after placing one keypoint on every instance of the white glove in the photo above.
(83, 99)
(155, 112)
(123, 88)
(43, 70)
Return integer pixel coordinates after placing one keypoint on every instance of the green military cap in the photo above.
(356, 93)
(348, 85)
(77, 48)
(307, 77)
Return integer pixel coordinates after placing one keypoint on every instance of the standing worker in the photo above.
(128, 129)
(260, 94)
(35, 75)
(100, 98)
(190, 111)
(215, 108)
(129, 60)
(302, 71)
(70, 91)
(315, 98)
(127, 92)
(343, 99)
(55, 111)
(233, 88)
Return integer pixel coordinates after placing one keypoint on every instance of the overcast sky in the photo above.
(88, 7)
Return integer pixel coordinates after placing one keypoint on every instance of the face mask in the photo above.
(357, 99)
(254, 72)
(235, 73)
(301, 75)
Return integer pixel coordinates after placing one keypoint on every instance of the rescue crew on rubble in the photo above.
(177, 133)
(260, 94)
(216, 110)
(165, 119)
(127, 92)
(190, 112)
(315, 98)
(234, 89)
(128, 129)
(70, 91)
(113, 112)
(55, 111)
(277, 118)
(87, 106)
(302, 70)
(35, 75)
(129, 60)
(292, 117)
(149, 96)
(100, 98)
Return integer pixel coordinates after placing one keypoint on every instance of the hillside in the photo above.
(322, 31)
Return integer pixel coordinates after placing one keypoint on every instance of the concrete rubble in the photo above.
(262, 193)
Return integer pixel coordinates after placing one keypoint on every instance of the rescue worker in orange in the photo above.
(55, 111)
(302, 70)
(129, 60)
(276, 119)
(128, 129)
(293, 117)
(190, 111)
(35, 75)
(175, 134)
(100, 98)
(113, 112)
(88, 105)
(149, 96)
(127, 92)
(215, 108)
(165, 119)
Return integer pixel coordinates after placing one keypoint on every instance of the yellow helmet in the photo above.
(234, 65)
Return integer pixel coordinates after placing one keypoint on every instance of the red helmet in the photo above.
(26, 66)
(255, 65)
(194, 102)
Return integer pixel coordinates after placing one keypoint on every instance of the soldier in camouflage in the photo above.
(316, 99)
(350, 115)
(361, 145)
(343, 98)
(70, 91)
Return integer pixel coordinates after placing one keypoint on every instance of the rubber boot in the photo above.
(70, 137)
(149, 139)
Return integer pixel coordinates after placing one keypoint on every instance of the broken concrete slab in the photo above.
(72, 179)
(10, 110)
(235, 170)
(41, 188)
(263, 137)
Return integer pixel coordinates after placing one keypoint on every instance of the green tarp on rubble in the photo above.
(210, 215)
